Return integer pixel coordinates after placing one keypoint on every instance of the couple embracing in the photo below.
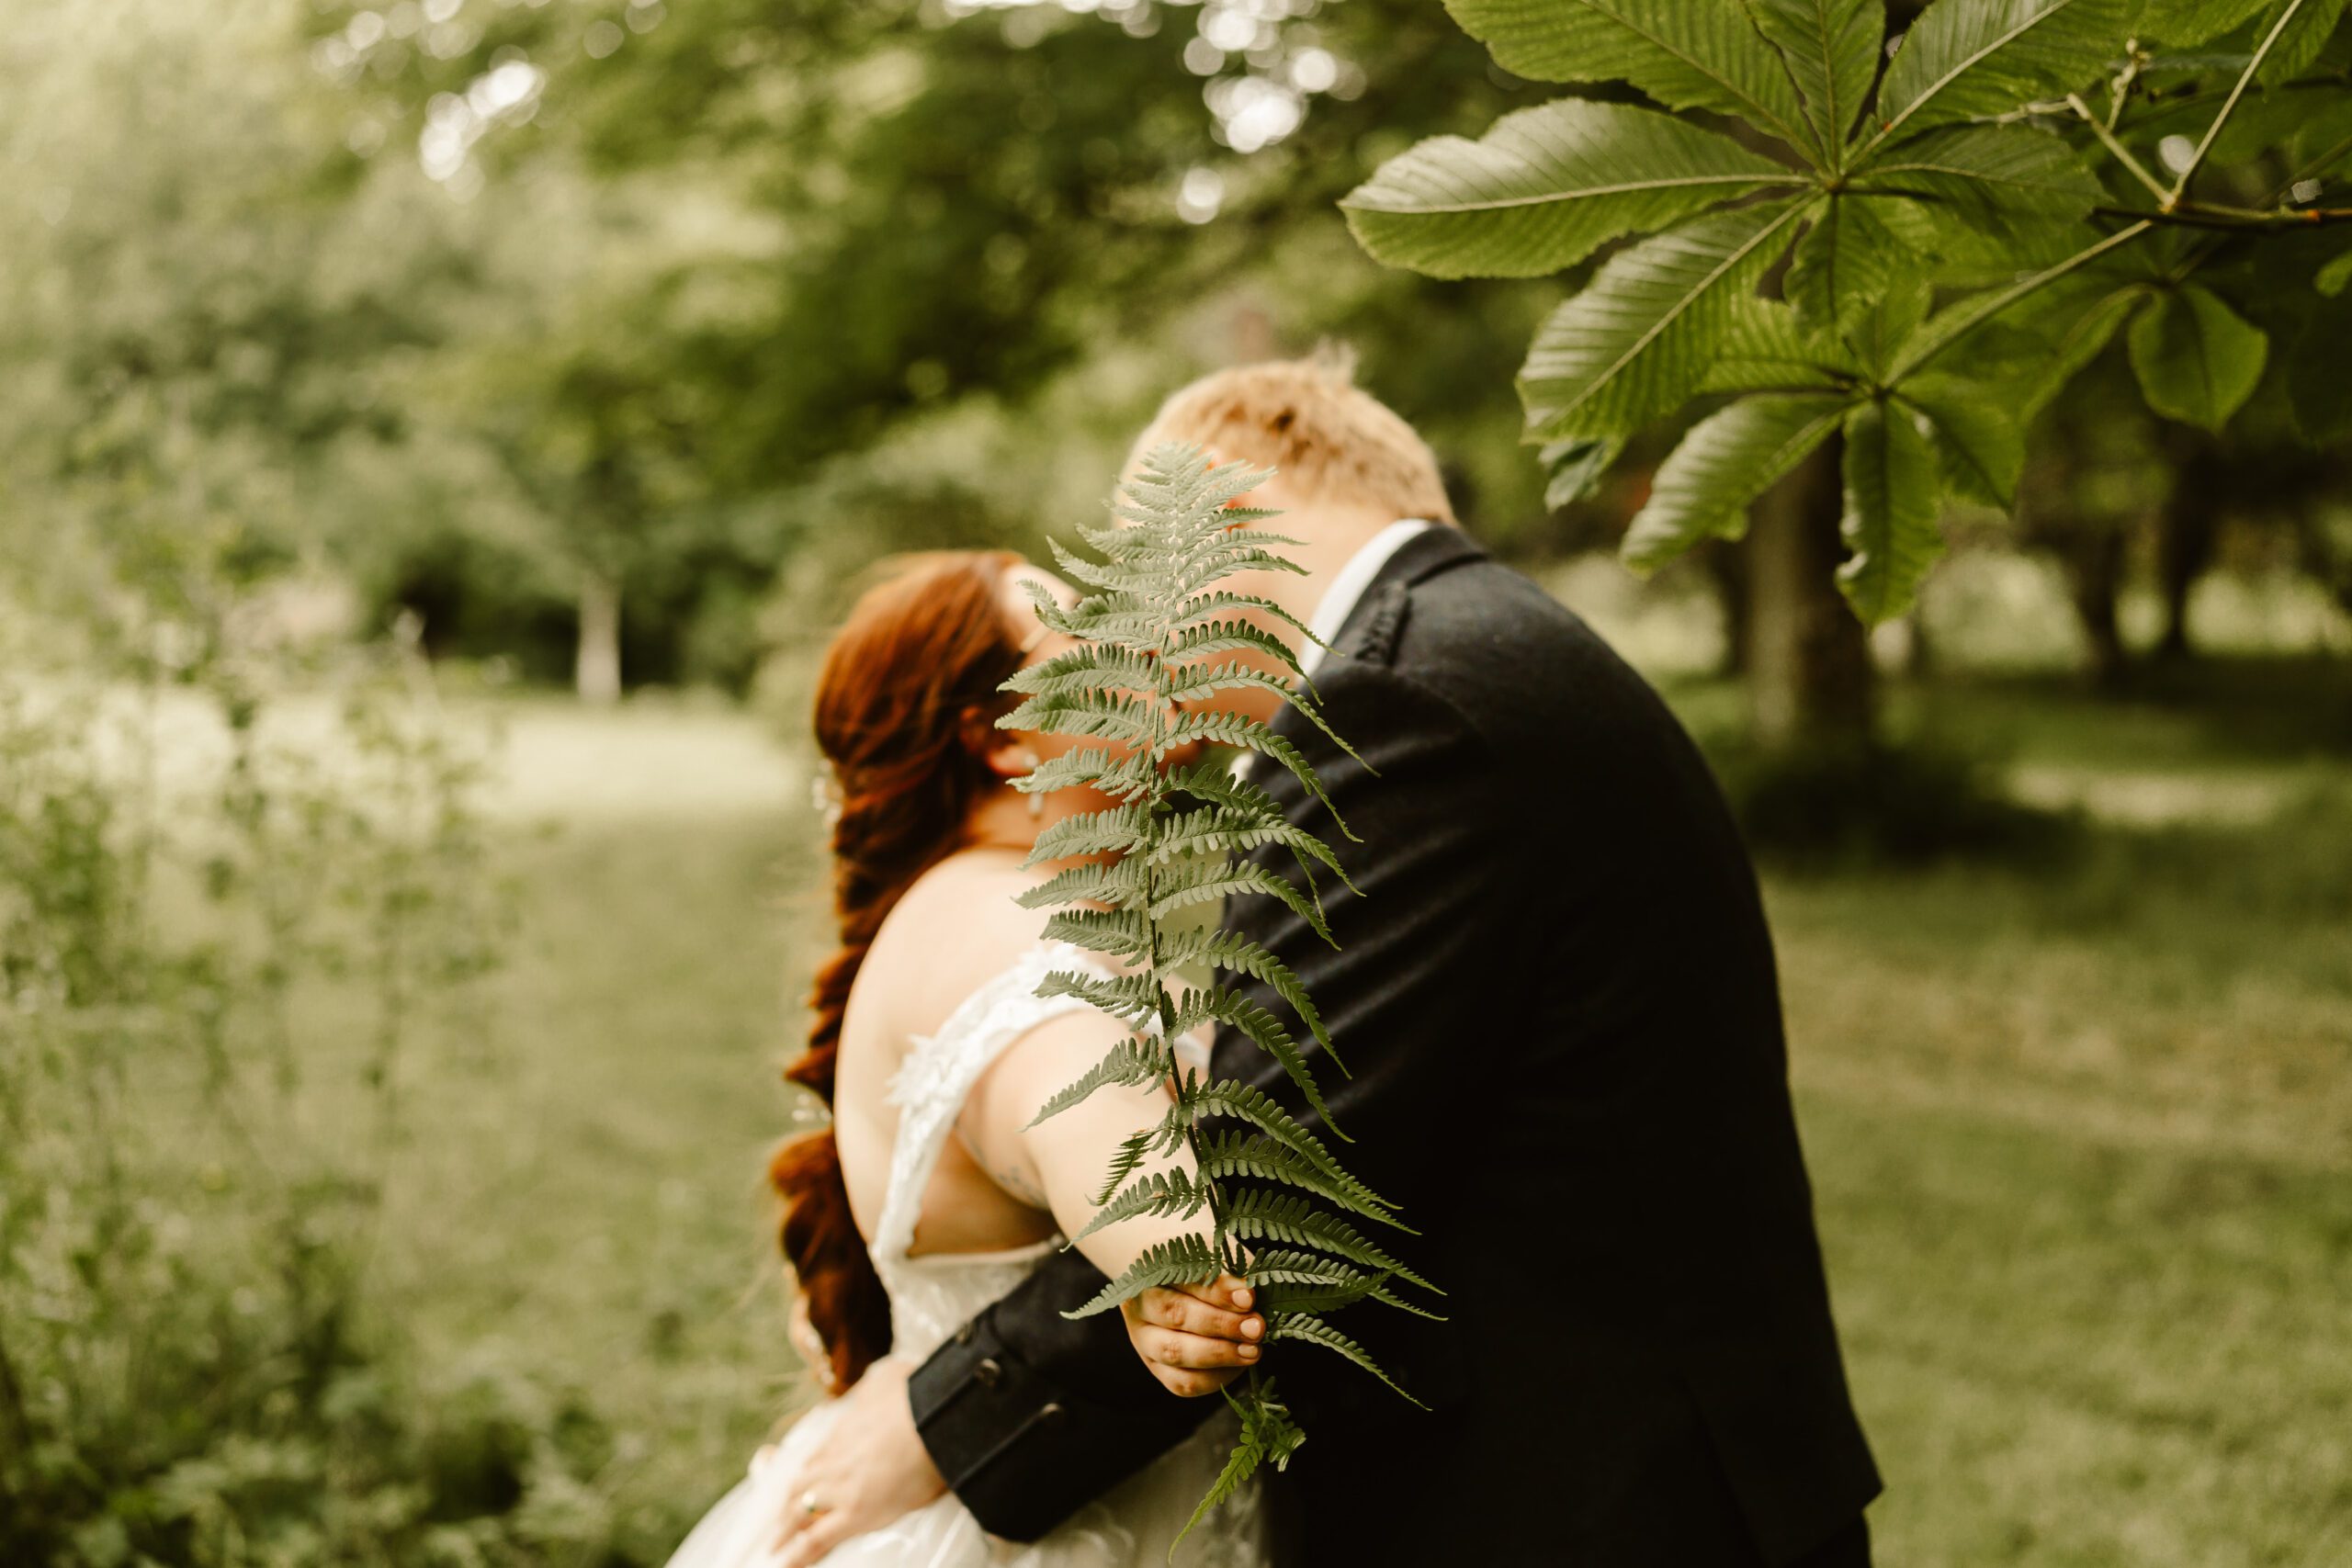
(1557, 992)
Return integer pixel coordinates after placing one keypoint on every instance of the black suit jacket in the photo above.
(1556, 995)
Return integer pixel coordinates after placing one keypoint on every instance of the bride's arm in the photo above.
(1058, 1165)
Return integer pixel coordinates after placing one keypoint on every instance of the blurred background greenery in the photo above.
(437, 436)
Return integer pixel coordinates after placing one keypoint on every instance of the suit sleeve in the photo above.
(1028, 1415)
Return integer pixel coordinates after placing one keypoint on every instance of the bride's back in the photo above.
(955, 929)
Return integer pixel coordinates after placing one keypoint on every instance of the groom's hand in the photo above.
(1195, 1338)
(870, 1469)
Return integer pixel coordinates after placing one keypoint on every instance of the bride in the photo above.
(931, 1196)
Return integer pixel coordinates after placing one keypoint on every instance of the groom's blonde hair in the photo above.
(1331, 440)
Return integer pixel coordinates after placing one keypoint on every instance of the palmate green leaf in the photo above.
(1688, 54)
(1884, 325)
(1766, 347)
(1703, 488)
(1832, 50)
(1258, 1214)
(1636, 340)
(2184, 23)
(1845, 259)
(1185, 1260)
(1544, 186)
(1313, 1330)
(1889, 525)
(1575, 468)
(2300, 41)
(1222, 1004)
(1226, 1156)
(1973, 58)
(2197, 359)
(1991, 180)
(1131, 1063)
(1979, 440)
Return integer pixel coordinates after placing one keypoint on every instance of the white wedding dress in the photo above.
(930, 1297)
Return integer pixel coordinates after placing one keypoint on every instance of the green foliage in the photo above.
(190, 1372)
(1275, 1198)
(1972, 192)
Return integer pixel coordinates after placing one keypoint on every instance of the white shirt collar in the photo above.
(1340, 600)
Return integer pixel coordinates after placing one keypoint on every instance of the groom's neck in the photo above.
(1328, 536)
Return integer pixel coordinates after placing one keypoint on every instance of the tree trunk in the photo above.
(1808, 659)
(2094, 576)
(2187, 528)
(597, 669)
(1727, 564)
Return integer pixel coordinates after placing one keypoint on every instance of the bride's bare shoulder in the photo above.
(957, 928)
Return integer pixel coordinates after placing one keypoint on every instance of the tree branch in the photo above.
(2228, 105)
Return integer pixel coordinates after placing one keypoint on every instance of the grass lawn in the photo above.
(2081, 1135)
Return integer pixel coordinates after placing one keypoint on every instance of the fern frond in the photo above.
(1223, 1004)
(1129, 776)
(1248, 1102)
(1121, 883)
(1258, 1214)
(1127, 996)
(1120, 830)
(1085, 669)
(1219, 879)
(1186, 1260)
(1233, 675)
(1231, 637)
(1132, 1151)
(1251, 735)
(1232, 1154)
(1116, 933)
(1237, 953)
(1248, 1454)
(1112, 716)
(1130, 1064)
(1277, 1267)
(1162, 1194)
(1313, 1330)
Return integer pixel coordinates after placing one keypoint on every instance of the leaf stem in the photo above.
(1969, 318)
(2230, 104)
(2123, 154)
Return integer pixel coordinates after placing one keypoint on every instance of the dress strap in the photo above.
(937, 1075)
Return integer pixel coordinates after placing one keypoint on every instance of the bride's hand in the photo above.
(870, 1469)
(1195, 1338)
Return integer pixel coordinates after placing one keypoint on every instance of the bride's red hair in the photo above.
(922, 651)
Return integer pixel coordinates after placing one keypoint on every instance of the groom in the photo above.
(1557, 995)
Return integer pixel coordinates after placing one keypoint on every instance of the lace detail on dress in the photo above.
(929, 1297)
(1128, 1526)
